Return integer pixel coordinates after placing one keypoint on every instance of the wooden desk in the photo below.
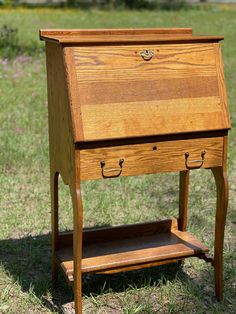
(132, 102)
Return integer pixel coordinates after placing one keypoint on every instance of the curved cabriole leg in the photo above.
(77, 245)
(54, 222)
(221, 210)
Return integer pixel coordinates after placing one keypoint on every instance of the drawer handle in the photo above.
(105, 171)
(146, 54)
(188, 163)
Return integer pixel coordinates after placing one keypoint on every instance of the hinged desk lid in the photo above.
(134, 83)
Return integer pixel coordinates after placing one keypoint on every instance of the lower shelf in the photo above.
(110, 250)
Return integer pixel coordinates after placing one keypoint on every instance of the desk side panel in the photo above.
(61, 141)
(222, 85)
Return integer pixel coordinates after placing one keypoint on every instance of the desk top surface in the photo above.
(82, 36)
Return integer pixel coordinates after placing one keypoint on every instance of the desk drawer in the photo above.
(146, 158)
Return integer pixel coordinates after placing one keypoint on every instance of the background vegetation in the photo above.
(25, 285)
(108, 4)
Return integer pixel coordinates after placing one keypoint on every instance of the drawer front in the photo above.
(147, 158)
(138, 90)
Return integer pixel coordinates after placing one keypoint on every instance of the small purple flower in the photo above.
(18, 130)
(16, 75)
(4, 63)
(22, 59)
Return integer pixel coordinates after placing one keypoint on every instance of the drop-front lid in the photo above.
(142, 82)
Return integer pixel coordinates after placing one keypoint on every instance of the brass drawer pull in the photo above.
(196, 161)
(146, 54)
(105, 171)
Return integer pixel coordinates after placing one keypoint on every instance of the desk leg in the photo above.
(183, 202)
(221, 210)
(183, 199)
(77, 246)
(54, 222)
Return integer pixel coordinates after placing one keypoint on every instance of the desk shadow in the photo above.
(28, 261)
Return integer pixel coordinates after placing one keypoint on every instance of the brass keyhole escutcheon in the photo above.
(147, 54)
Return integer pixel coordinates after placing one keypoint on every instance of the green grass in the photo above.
(25, 285)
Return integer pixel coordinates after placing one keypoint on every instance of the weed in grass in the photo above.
(8, 41)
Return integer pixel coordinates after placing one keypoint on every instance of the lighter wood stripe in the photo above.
(150, 118)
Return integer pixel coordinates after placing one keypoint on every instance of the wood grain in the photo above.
(54, 223)
(114, 31)
(176, 91)
(61, 142)
(106, 103)
(124, 63)
(63, 154)
(139, 266)
(94, 235)
(133, 251)
(183, 199)
(77, 236)
(222, 188)
(144, 91)
(60, 135)
(150, 157)
(222, 85)
(121, 120)
(221, 211)
(106, 36)
(73, 94)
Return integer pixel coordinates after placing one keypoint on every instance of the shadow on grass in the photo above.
(27, 261)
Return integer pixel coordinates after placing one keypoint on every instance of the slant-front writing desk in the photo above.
(132, 102)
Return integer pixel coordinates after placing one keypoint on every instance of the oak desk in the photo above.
(131, 102)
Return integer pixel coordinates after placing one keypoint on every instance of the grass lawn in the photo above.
(25, 285)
